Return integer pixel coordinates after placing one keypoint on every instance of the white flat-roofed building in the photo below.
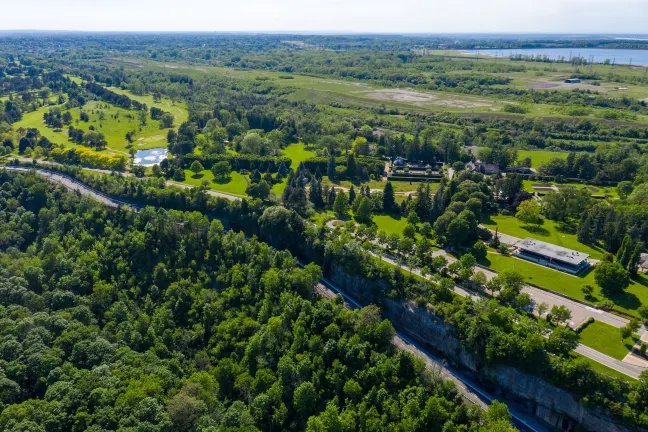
(550, 255)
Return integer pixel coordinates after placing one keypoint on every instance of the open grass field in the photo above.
(633, 297)
(115, 124)
(550, 232)
(390, 224)
(327, 90)
(399, 186)
(177, 109)
(297, 154)
(539, 157)
(607, 339)
(235, 184)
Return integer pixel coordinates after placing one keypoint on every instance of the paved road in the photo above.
(75, 186)
(618, 365)
(580, 312)
(127, 174)
(469, 389)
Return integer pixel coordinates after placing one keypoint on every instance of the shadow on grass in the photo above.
(487, 220)
(537, 230)
(222, 180)
(485, 262)
(567, 227)
(198, 176)
(626, 300)
(640, 280)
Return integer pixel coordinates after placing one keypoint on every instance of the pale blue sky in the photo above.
(412, 16)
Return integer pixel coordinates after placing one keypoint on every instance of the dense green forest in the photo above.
(180, 317)
(162, 320)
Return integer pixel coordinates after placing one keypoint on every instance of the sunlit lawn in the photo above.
(633, 297)
(297, 154)
(607, 339)
(235, 184)
(550, 232)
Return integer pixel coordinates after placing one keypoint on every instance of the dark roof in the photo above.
(552, 251)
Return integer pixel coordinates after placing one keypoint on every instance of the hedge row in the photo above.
(368, 166)
(239, 162)
(414, 179)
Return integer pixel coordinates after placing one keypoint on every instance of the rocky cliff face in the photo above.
(555, 406)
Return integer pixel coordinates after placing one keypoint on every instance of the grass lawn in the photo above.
(235, 184)
(399, 186)
(177, 109)
(390, 224)
(633, 297)
(607, 339)
(539, 157)
(549, 232)
(320, 218)
(114, 129)
(297, 154)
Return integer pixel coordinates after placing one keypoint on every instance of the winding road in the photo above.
(469, 389)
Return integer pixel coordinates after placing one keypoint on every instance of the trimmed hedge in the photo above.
(239, 162)
(368, 166)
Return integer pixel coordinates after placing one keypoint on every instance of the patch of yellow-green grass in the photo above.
(607, 339)
(539, 157)
(320, 218)
(112, 121)
(390, 224)
(399, 186)
(297, 154)
(177, 109)
(550, 232)
(628, 302)
(235, 184)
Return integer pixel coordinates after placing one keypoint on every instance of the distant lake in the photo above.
(619, 56)
(151, 157)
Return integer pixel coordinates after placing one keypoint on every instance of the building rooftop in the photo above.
(552, 251)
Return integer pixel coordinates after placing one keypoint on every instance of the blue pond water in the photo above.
(618, 56)
(151, 157)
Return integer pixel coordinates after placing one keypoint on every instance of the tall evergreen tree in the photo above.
(624, 254)
(351, 166)
(315, 193)
(331, 197)
(330, 168)
(584, 234)
(352, 194)
(389, 201)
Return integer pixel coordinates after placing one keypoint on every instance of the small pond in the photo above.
(151, 157)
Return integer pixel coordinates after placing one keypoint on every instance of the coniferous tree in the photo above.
(584, 234)
(331, 197)
(389, 201)
(330, 169)
(633, 264)
(624, 254)
(315, 193)
(351, 165)
(352, 194)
